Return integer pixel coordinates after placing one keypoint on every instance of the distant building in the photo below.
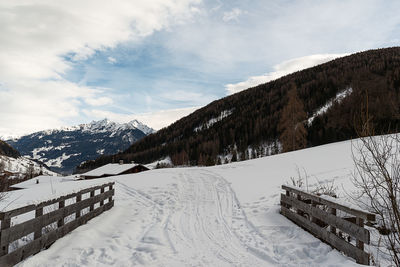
(43, 181)
(113, 169)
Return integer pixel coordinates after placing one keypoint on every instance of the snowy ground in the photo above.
(217, 216)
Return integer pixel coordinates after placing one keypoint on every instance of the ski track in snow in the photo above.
(195, 221)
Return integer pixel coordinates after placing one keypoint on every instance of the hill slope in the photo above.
(7, 150)
(63, 149)
(334, 94)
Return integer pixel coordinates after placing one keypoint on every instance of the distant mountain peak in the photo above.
(64, 148)
(144, 128)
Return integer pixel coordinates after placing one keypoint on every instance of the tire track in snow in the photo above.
(203, 220)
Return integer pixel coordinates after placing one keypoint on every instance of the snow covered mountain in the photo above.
(65, 148)
(20, 165)
(334, 96)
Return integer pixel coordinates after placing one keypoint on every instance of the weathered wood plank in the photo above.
(5, 224)
(25, 209)
(19, 211)
(360, 242)
(348, 227)
(27, 227)
(330, 238)
(78, 199)
(92, 196)
(46, 240)
(38, 231)
(87, 190)
(101, 192)
(333, 228)
(61, 205)
(110, 188)
(358, 213)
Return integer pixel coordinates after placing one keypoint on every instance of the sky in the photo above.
(68, 62)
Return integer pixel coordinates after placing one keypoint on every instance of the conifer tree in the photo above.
(293, 133)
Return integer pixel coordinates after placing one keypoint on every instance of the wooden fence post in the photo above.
(313, 219)
(5, 223)
(298, 210)
(101, 192)
(61, 205)
(333, 228)
(38, 232)
(78, 212)
(110, 188)
(92, 195)
(288, 194)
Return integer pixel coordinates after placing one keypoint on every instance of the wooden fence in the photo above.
(52, 220)
(316, 215)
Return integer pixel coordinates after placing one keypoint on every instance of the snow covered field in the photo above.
(224, 215)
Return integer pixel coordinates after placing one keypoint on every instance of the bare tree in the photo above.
(377, 178)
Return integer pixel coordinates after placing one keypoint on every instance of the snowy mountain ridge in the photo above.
(64, 148)
(102, 126)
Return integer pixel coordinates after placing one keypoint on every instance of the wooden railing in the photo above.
(51, 220)
(317, 214)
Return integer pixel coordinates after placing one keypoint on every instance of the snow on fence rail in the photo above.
(307, 211)
(52, 220)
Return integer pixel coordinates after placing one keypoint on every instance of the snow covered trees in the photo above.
(291, 125)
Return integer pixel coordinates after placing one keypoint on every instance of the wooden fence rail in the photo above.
(317, 214)
(52, 220)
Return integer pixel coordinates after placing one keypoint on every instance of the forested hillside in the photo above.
(7, 150)
(334, 97)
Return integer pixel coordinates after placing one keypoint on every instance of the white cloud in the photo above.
(156, 120)
(232, 15)
(101, 101)
(279, 30)
(280, 70)
(180, 95)
(37, 35)
(112, 60)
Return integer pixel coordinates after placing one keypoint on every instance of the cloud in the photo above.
(156, 120)
(41, 40)
(182, 96)
(232, 15)
(280, 70)
(281, 30)
(111, 60)
(51, 51)
(101, 101)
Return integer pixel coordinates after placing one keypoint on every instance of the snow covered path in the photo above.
(183, 217)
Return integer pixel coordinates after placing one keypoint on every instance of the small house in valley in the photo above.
(43, 181)
(113, 169)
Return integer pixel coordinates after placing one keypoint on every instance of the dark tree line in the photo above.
(256, 112)
(7, 150)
